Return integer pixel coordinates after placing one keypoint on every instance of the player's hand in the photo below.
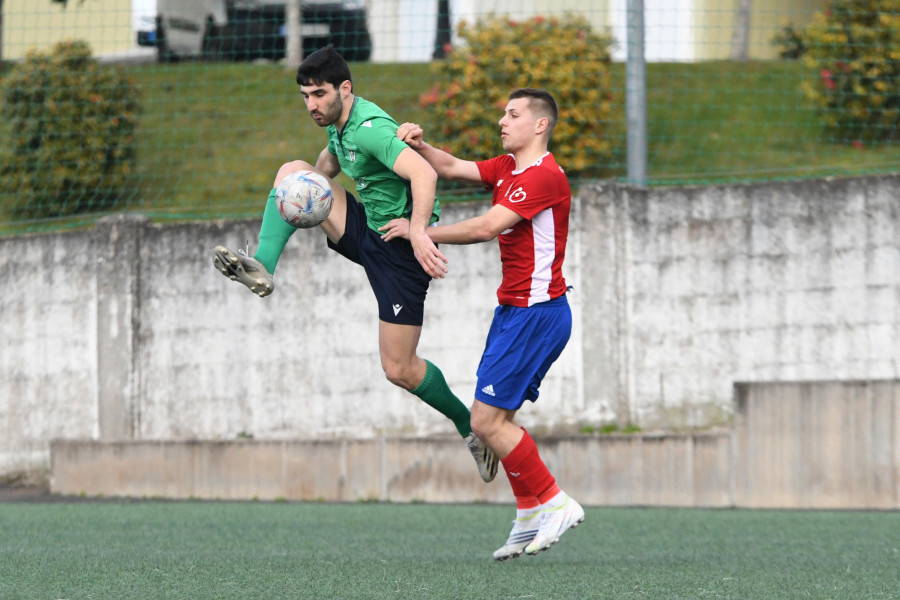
(395, 228)
(428, 255)
(412, 134)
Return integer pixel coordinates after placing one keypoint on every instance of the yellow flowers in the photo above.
(561, 55)
(853, 47)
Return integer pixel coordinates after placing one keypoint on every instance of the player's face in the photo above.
(517, 125)
(323, 102)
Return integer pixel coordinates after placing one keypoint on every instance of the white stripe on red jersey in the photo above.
(532, 251)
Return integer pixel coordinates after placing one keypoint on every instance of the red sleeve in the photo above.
(488, 170)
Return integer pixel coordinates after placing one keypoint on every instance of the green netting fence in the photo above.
(185, 110)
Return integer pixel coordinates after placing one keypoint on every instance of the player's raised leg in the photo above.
(257, 272)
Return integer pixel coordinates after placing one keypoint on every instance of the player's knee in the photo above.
(290, 167)
(484, 424)
(398, 374)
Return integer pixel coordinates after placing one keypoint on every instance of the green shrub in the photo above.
(854, 49)
(71, 125)
(562, 56)
(789, 42)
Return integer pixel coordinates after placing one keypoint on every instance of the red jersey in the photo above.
(533, 250)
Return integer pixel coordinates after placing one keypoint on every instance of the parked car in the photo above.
(250, 29)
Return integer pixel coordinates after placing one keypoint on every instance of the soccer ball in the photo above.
(304, 199)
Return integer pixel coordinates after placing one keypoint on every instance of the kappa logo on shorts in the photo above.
(397, 309)
(488, 389)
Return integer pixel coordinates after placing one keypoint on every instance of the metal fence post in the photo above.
(293, 38)
(636, 94)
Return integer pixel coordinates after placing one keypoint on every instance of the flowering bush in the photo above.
(789, 42)
(562, 56)
(854, 49)
(72, 124)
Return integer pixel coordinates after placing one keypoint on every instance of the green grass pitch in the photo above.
(222, 550)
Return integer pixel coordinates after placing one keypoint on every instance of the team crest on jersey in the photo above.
(518, 195)
(352, 155)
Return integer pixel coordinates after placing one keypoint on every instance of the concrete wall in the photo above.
(126, 332)
(794, 445)
(668, 470)
(829, 445)
(692, 289)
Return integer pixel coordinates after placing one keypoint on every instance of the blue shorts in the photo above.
(521, 345)
(398, 280)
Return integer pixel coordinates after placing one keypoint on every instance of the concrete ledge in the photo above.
(818, 444)
(794, 445)
(666, 470)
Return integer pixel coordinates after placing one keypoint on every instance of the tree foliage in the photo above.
(72, 124)
(562, 55)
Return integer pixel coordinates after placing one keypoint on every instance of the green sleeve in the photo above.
(380, 141)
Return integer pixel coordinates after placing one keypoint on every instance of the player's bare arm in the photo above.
(482, 228)
(422, 179)
(328, 163)
(445, 164)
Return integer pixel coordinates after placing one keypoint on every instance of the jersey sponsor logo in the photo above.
(488, 389)
(397, 309)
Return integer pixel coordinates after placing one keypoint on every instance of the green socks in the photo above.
(273, 235)
(435, 392)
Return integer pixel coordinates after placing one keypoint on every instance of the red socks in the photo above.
(531, 481)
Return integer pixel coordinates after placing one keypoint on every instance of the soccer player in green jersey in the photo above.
(392, 181)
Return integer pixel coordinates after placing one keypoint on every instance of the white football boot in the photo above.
(485, 458)
(244, 269)
(556, 518)
(524, 530)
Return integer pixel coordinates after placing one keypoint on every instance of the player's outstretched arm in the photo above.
(445, 164)
(422, 180)
(482, 228)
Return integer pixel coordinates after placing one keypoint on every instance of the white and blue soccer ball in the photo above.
(304, 199)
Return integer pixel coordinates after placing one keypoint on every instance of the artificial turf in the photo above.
(221, 550)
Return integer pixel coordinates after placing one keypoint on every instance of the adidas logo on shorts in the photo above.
(488, 389)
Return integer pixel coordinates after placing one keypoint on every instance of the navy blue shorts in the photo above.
(398, 280)
(521, 345)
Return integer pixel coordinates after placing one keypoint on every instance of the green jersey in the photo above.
(366, 149)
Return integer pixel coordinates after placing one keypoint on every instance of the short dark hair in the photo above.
(540, 102)
(324, 66)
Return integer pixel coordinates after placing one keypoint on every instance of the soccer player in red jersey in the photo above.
(532, 324)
